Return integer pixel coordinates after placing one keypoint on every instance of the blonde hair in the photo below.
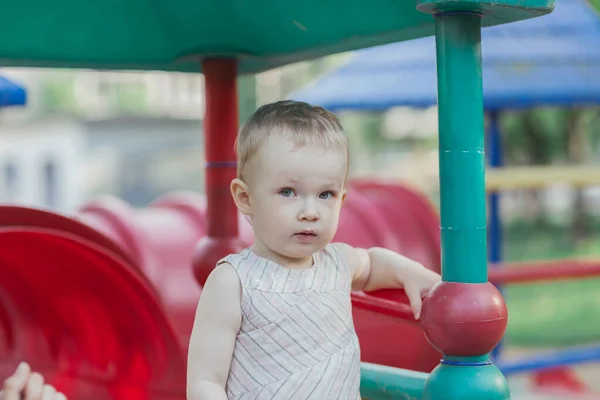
(304, 123)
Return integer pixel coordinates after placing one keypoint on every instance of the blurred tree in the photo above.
(534, 137)
(129, 99)
(553, 136)
(57, 94)
(246, 97)
(577, 148)
(530, 138)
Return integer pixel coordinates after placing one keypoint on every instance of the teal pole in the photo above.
(380, 382)
(464, 316)
(461, 148)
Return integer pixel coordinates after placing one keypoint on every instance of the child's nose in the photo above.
(309, 215)
(309, 212)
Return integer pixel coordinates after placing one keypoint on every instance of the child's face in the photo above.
(295, 196)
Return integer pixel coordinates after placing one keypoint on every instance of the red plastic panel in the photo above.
(84, 319)
(411, 218)
(25, 217)
(117, 220)
(164, 235)
(362, 225)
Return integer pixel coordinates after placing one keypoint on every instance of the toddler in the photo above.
(274, 322)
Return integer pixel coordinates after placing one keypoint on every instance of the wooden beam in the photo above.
(512, 178)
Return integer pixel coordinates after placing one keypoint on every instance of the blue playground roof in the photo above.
(550, 60)
(11, 94)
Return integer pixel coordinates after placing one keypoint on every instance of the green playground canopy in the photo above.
(175, 35)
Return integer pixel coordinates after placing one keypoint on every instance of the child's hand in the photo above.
(24, 384)
(416, 285)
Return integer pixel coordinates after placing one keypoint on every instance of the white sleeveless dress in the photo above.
(297, 339)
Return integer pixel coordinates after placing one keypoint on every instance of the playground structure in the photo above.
(147, 253)
(108, 335)
(120, 296)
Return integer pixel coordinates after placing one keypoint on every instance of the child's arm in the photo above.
(378, 268)
(217, 322)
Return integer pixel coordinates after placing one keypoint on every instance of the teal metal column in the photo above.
(464, 316)
(380, 382)
(461, 148)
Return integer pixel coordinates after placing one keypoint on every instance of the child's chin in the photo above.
(298, 252)
(304, 250)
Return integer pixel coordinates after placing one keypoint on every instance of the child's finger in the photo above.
(14, 385)
(414, 295)
(59, 396)
(49, 393)
(35, 387)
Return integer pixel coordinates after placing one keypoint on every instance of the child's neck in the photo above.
(286, 262)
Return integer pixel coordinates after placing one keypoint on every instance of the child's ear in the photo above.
(344, 195)
(241, 196)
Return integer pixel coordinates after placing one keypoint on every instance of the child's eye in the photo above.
(286, 192)
(326, 195)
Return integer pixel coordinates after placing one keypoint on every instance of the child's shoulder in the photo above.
(338, 254)
(244, 264)
(352, 258)
(243, 259)
(224, 281)
(339, 250)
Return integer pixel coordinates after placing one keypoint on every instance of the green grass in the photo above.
(554, 313)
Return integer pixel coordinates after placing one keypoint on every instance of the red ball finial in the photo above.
(464, 319)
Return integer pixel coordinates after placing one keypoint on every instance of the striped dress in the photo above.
(297, 339)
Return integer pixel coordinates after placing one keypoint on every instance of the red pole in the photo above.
(541, 271)
(220, 127)
(220, 131)
(399, 308)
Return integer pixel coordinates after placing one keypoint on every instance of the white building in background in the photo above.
(40, 163)
(87, 132)
(60, 163)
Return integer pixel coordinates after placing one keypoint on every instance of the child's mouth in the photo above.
(306, 235)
